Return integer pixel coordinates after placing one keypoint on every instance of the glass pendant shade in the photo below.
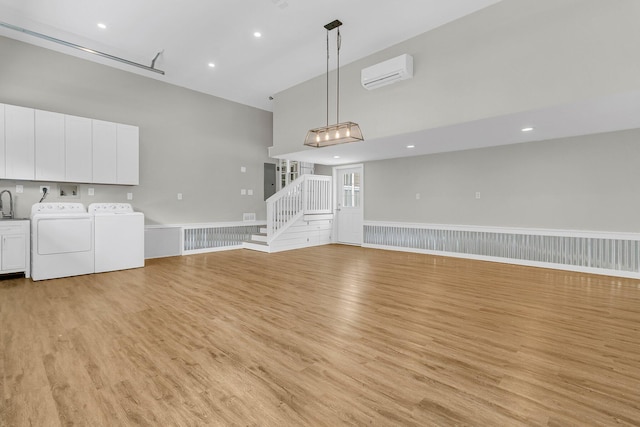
(334, 135)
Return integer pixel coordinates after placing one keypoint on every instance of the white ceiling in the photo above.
(193, 33)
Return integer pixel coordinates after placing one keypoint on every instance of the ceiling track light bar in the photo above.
(82, 48)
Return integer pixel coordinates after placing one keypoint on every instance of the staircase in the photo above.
(298, 216)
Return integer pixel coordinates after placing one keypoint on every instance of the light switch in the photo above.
(179, 196)
(250, 192)
(90, 191)
(477, 194)
(417, 196)
(243, 169)
(19, 189)
(243, 192)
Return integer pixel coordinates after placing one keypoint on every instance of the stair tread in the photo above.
(257, 242)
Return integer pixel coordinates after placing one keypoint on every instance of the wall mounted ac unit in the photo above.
(387, 72)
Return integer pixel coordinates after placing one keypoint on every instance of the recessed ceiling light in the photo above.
(257, 34)
(102, 26)
(529, 129)
(336, 157)
(411, 146)
(211, 65)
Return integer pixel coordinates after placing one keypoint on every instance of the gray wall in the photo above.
(582, 183)
(517, 55)
(190, 143)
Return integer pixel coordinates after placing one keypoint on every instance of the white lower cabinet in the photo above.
(14, 247)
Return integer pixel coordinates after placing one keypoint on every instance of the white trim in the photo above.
(218, 249)
(580, 234)
(564, 267)
(183, 227)
(513, 230)
(209, 224)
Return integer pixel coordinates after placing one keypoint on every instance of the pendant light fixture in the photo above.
(340, 132)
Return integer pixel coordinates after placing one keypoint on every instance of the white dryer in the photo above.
(119, 236)
(61, 240)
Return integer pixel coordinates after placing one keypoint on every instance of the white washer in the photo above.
(61, 240)
(119, 236)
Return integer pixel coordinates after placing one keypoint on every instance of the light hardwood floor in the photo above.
(326, 336)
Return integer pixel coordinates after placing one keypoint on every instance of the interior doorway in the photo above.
(349, 204)
(269, 180)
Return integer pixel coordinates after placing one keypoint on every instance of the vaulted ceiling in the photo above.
(191, 34)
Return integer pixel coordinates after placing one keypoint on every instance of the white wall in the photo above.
(190, 143)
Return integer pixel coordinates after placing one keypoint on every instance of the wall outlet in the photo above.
(243, 169)
(417, 196)
(91, 191)
(250, 192)
(19, 189)
(129, 196)
(249, 216)
(42, 187)
(477, 194)
(179, 196)
(243, 192)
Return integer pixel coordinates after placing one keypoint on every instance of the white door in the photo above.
(349, 209)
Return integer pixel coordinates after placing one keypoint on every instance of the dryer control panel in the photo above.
(107, 208)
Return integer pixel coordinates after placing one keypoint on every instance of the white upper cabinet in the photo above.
(50, 142)
(78, 149)
(127, 155)
(46, 146)
(104, 152)
(19, 142)
(2, 164)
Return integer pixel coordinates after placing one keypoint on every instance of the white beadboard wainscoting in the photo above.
(188, 239)
(606, 253)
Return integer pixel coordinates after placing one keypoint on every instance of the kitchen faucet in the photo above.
(10, 215)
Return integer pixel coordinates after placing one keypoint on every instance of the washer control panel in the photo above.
(57, 208)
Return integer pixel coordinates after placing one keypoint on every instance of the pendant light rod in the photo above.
(338, 133)
(338, 43)
(327, 77)
(331, 26)
(82, 48)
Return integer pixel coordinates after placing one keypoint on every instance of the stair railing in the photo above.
(308, 194)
